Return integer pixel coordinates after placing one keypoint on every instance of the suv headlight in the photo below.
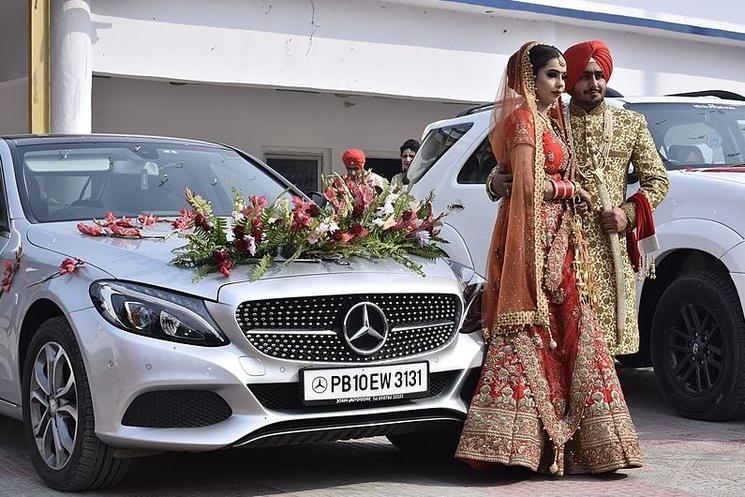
(472, 286)
(156, 313)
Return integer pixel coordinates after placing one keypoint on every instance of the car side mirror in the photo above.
(318, 199)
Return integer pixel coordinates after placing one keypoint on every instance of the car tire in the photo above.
(428, 444)
(58, 417)
(698, 347)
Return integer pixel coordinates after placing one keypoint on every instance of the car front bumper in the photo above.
(122, 366)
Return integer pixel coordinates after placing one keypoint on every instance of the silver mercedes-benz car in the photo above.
(125, 355)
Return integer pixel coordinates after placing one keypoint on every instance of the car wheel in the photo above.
(698, 347)
(428, 444)
(58, 415)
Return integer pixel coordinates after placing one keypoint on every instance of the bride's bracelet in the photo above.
(564, 189)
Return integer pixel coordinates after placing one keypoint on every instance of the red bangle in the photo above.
(564, 189)
(555, 188)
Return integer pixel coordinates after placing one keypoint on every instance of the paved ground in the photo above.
(683, 458)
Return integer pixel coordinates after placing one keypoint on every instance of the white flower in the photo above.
(251, 245)
(386, 223)
(328, 227)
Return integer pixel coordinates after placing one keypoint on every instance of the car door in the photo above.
(8, 367)
(470, 212)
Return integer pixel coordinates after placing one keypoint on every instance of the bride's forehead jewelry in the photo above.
(562, 61)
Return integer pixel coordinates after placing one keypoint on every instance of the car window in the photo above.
(435, 144)
(479, 164)
(83, 181)
(696, 135)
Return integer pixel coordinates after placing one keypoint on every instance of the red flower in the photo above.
(256, 227)
(70, 265)
(239, 231)
(355, 232)
(9, 269)
(408, 222)
(148, 219)
(224, 262)
(88, 229)
(300, 220)
(111, 220)
(125, 232)
(302, 212)
(241, 245)
(342, 237)
(201, 221)
(185, 220)
(255, 206)
(358, 231)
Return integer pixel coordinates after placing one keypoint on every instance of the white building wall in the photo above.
(439, 50)
(261, 121)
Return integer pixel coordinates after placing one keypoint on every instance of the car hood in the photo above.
(731, 174)
(147, 261)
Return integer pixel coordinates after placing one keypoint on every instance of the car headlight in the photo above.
(472, 286)
(156, 313)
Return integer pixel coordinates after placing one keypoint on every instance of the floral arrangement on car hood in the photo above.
(357, 220)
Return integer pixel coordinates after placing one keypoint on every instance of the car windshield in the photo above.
(80, 181)
(435, 144)
(696, 135)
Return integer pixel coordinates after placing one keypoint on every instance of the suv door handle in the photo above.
(455, 206)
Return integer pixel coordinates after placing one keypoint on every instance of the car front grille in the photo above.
(310, 328)
(288, 397)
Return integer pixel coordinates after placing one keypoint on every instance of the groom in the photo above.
(616, 137)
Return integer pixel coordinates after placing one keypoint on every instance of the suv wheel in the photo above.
(58, 414)
(698, 347)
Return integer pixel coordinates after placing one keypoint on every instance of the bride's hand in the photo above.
(583, 202)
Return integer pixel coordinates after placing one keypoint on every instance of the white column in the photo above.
(71, 66)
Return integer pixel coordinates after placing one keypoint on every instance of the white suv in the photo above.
(691, 316)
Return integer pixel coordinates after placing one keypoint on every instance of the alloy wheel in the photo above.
(53, 405)
(695, 349)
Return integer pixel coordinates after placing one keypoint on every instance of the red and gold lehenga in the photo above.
(548, 397)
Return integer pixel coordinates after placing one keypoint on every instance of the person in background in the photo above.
(408, 151)
(354, 162)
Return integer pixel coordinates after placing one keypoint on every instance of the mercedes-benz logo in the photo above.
(319, 385)
(365, 328)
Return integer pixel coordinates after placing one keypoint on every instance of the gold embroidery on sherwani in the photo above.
(630, 142)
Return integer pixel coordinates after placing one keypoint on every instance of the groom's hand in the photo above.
(614, 220)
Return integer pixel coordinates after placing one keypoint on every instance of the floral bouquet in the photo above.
(357, 221)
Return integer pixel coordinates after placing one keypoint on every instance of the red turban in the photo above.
(577, 57)
(353, 158)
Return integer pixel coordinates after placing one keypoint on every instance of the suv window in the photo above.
(478, 165)
(436, 143)
(696, 135)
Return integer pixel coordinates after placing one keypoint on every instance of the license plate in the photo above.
(364, 384)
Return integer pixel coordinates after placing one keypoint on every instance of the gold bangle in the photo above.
(489, 191)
